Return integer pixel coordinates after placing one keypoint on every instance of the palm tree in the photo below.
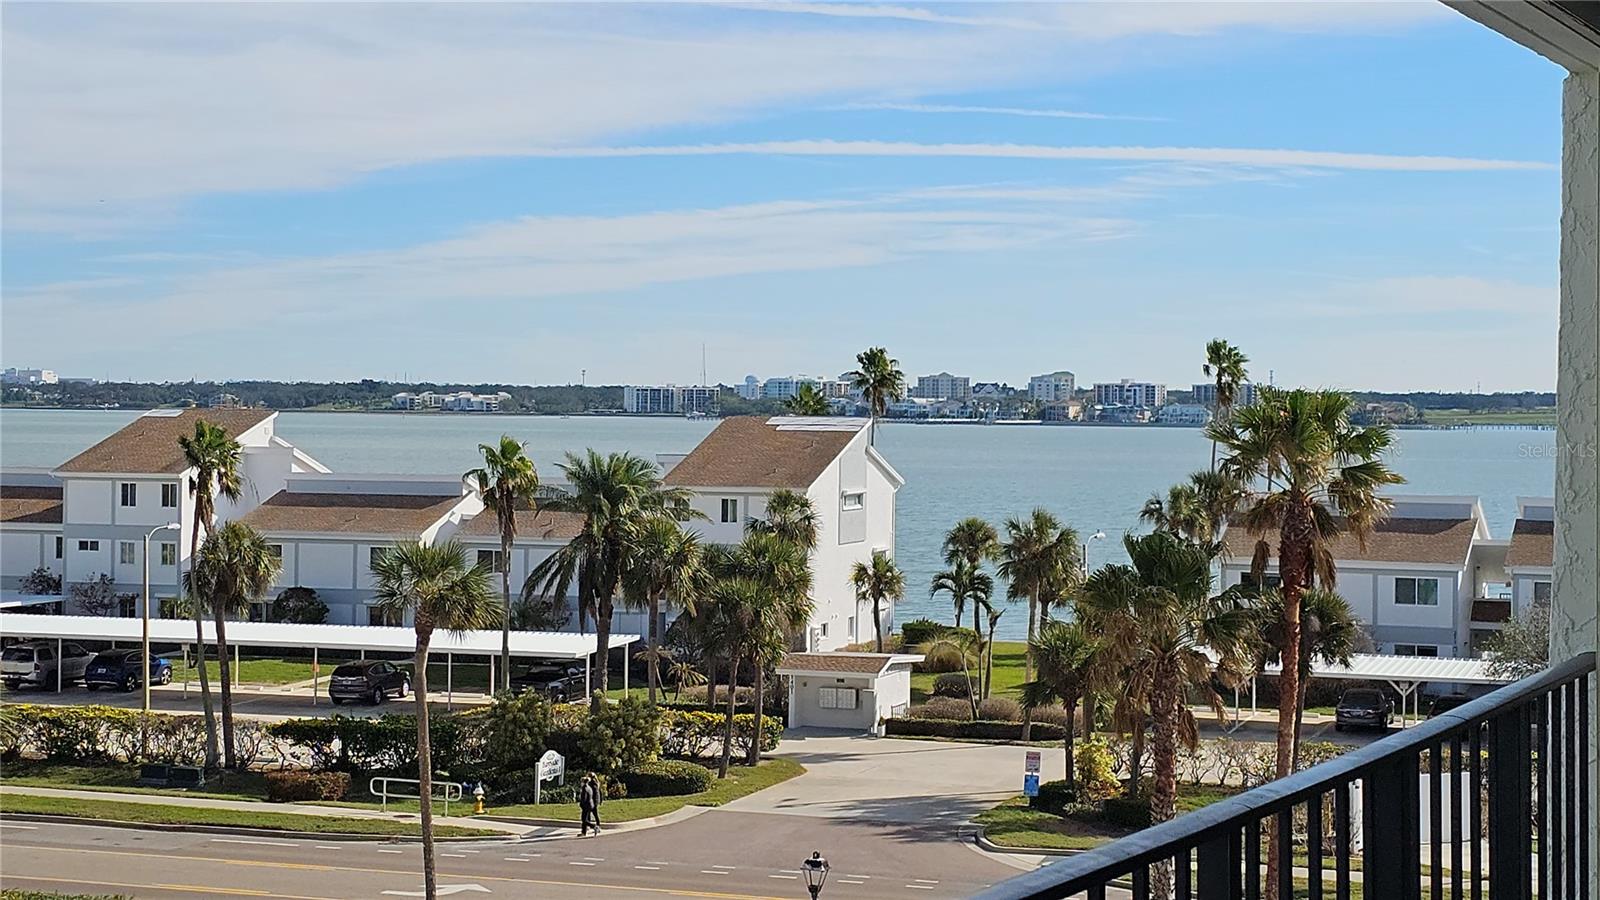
(1196, 510)
(506, 481)
(234, 568)
(1068, 656)
(440, 589)
(808, 401)
(878, 581)
(1161, 624)
(215, 460)
(617, 495)
(1226, 364)
(1316, 462)
(880, 380)
(1035, 555)
(967, 648)
(973, 541)
(782, 569)
(1330, 633)
(669, 563)
(732, 622)
(790, 516)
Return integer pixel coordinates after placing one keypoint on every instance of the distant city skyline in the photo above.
(1360, 195)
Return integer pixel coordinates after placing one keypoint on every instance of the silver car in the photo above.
(36, 664)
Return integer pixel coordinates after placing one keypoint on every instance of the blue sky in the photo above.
(1360, 194)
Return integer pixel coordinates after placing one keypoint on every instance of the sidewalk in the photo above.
(513, 829)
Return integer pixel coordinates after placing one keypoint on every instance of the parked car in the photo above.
(35, 663)
(122, 669)
(1363, 708)
(561, 682)
(372, 680)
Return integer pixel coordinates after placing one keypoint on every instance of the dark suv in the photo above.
(562, 682)
(121, 669)
(372, 680)
(1363, 708)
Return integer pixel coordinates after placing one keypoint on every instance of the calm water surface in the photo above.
(1095, 478)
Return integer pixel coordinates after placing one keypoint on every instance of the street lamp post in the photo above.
(1097, 536)
(144, 679)
(816, 872)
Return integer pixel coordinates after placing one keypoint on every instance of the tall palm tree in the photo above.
(506, 481)
(782, 569)
(233, 568)
(1226, 364)
(966, 585)
(441, 590)
(1196, 510)
(966, 647)
(669, 564)
(791, 516)
(1330, 633)
(1068, 657)
(617, 495)
(880, 380)
(732, 622)
(1161, 625)
(1033, 557)
(974, 542)
(807, 401)
(215, 461)
(878, 581)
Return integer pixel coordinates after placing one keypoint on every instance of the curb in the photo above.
(249, 832)
(982, 840)
(687, 811)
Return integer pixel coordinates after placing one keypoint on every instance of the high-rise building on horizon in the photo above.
(1053, 387)
(1128, 392)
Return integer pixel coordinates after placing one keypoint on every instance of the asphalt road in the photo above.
(716, 854)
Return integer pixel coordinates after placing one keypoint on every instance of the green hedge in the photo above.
(697, 734)
(106, 734)
(1054, 796)
(978, 731)
(666, 778)
(1128, 813)
(294, 785)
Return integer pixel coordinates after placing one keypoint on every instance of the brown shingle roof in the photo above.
(843, 663)
(400, 515)
(745, 451)
(1533, 543)
(1441, 541)
(534, 526)
(1491, 610)
(149, 444)
(30, 505)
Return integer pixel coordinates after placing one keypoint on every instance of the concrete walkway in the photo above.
(348, 812)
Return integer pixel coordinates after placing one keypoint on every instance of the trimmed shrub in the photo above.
(666, 778)
(621, 735)
(696, 734)
(291, 786)
(999, 709)
(947, 708)
(921, 631)
(941, 659)
(96, 734)
(1054, 797)
(952, 684)
(1127, 813)
(1097, 769)
(1050, 715)
(981, 731)
(514, 727)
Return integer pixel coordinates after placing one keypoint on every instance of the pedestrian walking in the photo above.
(589, 795)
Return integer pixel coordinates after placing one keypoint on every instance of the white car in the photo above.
(36, 664)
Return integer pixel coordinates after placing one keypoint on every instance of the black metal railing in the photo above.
(1516, 766)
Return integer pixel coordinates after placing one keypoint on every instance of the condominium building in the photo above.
(1206, 394)
(942, 386)
(32, 377)
(785, 387)
(1130, 393)
(670, 399)
(1053, 387)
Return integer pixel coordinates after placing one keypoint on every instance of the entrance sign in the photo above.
(552, 767)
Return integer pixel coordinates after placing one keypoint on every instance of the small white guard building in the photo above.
(847, 690)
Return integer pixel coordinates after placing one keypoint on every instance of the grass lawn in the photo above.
(183, 815)
(1540, 416)
(251, 671)
(1013, 824)
(122, 779)
(740, 782)
(16, 894)
(1007, 673)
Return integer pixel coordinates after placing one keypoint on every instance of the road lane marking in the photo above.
(519, 858)
(785, 877)
(580, 863)
(193, 889)
(920, 887)
(595, 858)
(508, 879)
(245, 841)
(453, 855)
(713, 872)
(649, 868)
(925, 880)
(858, 876)
(326, 847)
(381, 850)
(724, 867)
(850, 881)
(237, 892)
(22, 827)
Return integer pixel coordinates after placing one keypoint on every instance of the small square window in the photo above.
(169, 554)
(489, 559)
(127, 552)
(169, 496)
(88, 546)
(377, 615)
(1416, 591)
(130, 494)
(1541, 592)
(276, 550)
(375, 556)
(730, 510)
(855, 500)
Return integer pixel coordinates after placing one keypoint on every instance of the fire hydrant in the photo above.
(477, 794)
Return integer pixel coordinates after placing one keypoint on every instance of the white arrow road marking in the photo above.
(445, 890)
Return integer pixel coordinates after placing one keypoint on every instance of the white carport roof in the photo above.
(545, 644)
(1406, 669)
(17, 599)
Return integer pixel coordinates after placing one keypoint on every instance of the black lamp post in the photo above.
(816, 871)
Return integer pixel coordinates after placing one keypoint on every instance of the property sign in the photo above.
(1031, 766)
(1030, 784)
(552, 767)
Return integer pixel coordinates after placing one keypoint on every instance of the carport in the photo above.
(316, 638)
(1403, 673)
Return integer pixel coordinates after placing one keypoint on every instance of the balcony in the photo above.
(1521, 751)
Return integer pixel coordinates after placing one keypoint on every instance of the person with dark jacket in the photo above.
(589, 795)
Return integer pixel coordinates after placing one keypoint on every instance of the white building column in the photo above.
(1576, 609)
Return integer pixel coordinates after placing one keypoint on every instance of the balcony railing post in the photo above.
(1219, 867)
(1393, 825)
(1510, 810)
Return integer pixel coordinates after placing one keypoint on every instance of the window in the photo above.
(730, 510)
(128, 604)
(489, 559)
(88, 546)
(127, 553)
(1415, 650)
(130, 494)
(377, 615)
(59, 542)
(169, 554)
(1270, 581)
(837, 698)
(1416, 591)
(169, 496)
(855, 500)
(1541, 592)
(167, 608)
(375, 556)
(276, 550)
(822, 630)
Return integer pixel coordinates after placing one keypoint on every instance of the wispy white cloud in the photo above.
(1240, 156)
(946, 108)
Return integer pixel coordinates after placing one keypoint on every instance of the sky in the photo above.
(1362, 195)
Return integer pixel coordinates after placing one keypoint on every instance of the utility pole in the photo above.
(583, 378)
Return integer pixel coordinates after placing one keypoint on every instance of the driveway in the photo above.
(894, 780)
